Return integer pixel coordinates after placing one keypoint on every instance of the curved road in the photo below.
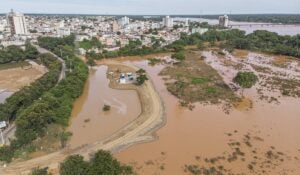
(64, 67)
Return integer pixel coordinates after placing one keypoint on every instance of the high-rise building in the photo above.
(223, 21)
(187, 22)
(115, 26)
(17, 23)
(124, 21)
(168, 22)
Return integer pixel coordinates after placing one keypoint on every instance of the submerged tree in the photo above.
(141, 77)
(245, 79)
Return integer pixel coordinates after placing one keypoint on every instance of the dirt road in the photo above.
(138, 131)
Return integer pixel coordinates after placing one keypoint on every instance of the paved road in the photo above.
(64, 67)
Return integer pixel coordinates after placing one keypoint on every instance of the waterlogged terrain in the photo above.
(262, 139)
(89, 122)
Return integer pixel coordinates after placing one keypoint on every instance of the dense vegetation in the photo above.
(54, 106)
(27, 95)
(133, 48)
(89, 44)
(101, 163)
(16, 53)
(259, 40)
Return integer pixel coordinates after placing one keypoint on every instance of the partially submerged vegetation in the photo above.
(106, 108)
(245, 153)
(193, 80)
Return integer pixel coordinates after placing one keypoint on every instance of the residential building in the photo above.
(17, 23)
(223, 21)
(168, 22)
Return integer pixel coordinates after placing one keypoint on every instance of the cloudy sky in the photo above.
(151, 6)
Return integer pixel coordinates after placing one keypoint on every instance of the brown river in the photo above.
(267, 137)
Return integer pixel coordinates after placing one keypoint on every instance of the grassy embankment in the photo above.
(193, 80)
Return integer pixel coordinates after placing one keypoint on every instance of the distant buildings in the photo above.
(124, 21)
(223, 21)
(17, 23)
(168, 22)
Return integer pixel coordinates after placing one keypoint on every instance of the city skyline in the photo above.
(151, 7)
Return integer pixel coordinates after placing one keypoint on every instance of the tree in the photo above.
(73, 165)
(102, 162)
(141, 76)
(245, 79)
(64, 137)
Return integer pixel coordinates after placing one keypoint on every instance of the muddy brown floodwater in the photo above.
(89, 122)
(190, 137)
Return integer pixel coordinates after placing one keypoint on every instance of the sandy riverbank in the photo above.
(138, 131)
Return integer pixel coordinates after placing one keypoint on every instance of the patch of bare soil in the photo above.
(13, 79)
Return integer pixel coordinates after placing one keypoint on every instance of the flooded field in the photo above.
(89, 122)
(261, 140)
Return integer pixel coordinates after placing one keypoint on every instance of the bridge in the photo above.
(261, 25)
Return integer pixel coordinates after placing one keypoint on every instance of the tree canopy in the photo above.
(101, 163)
(245, 79)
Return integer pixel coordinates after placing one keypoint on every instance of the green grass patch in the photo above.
(199, 80)
(211, 90)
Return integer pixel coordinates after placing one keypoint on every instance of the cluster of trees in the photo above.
(16, 53)
(89, 44)
(23, 100)
(141, 77)
(133, 48)
(102, 162)
(259, 40)
(27, 95)
(54, 106)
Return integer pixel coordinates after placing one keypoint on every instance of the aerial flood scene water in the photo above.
(89, 122)
(146, 94)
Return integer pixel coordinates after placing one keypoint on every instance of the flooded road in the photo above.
(193, 137)
(89, 122)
